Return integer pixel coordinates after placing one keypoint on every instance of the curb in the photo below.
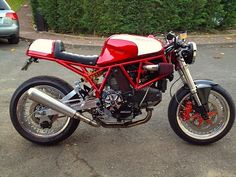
(99, 47)
(159, 36)
(74, 36)
(86, 47)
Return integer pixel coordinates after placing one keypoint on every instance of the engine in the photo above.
(122, 102)
(115, 103)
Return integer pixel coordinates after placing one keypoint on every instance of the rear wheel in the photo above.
(188, 124)
(25, 112)
(14, 40)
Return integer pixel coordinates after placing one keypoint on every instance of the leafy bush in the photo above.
(229, 7)
(70, 14)
(136, 16)
(93, 11)
(34, 5)
(50, 9)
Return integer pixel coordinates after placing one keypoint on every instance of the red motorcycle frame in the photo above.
(101, 68)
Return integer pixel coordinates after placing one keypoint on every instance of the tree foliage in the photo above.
(49, 9)
(135, 16)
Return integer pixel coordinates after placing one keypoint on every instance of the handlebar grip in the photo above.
(170, 36)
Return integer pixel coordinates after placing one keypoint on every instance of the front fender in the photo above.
(204, 83)
(203, 90)
(201, 84)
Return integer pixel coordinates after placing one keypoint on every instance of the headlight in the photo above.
(194, 47)
(189, 53)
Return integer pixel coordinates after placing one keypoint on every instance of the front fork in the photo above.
(187, 78)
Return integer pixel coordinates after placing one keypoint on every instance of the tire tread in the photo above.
(173, 119)
(41, 80)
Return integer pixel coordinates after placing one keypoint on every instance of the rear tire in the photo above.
(14, 40)
(180, 128)
(20, 121)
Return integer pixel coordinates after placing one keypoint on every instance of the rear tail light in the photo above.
(12, 15)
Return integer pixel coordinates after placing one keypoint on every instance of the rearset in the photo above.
(29, 62)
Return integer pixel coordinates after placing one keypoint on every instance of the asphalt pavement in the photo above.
(149, 150)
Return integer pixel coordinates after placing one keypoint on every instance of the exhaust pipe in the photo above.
(42, 98)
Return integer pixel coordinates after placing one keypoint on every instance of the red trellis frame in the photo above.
(82, 70)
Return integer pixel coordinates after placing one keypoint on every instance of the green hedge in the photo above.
(135, 16)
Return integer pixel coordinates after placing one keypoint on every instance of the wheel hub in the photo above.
(46, 124)
(189, 114)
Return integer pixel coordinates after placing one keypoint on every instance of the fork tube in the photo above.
(182, 76)
(189, 81)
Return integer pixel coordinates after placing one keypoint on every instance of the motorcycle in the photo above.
(119, 89)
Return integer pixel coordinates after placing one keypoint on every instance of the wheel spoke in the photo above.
(31, 123)
(191, 122)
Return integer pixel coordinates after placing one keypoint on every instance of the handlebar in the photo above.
(173, 42)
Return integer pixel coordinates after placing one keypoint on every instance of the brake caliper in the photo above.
(197, 119)
(188, 110)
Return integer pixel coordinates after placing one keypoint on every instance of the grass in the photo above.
(16, 4)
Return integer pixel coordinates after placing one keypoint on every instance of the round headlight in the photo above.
(189, 53)
(194, 48)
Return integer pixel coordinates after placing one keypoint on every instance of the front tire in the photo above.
(194, 129)
(25, 120)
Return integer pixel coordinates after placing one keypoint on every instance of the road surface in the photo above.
(149, 150)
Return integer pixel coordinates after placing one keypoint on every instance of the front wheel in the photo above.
(188, 124)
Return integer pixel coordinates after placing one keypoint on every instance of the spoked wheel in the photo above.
(28, 118)
(190, 126)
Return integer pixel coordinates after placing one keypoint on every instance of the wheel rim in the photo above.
(219, 121)
(26, 116)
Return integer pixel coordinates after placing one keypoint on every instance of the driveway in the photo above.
(149, 150)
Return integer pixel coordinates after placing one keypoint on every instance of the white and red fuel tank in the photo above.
(121, 47)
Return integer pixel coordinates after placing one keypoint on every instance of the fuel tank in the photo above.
(119, 48)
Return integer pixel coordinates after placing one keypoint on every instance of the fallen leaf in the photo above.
(13, 50)
(228, 38)
(217, 57)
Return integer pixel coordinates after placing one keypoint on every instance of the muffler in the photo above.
(46, 100)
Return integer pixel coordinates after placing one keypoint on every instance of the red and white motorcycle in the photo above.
(116, 88)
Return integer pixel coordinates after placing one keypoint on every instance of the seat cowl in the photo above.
(60, 53)
(41, 47)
